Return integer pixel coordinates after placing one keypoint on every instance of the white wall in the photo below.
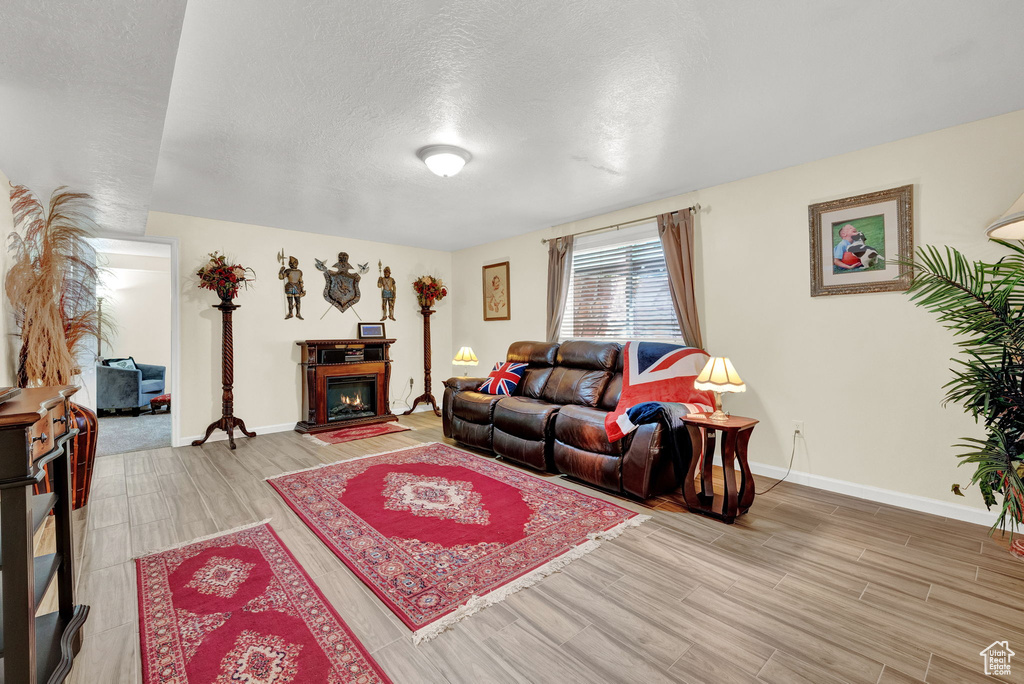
(865, 372)
(267, 377)
(140, 306)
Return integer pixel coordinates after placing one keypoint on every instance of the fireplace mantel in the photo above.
(324, 362)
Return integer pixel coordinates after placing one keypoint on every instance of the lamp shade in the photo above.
(465, 357)
(1009, 226)
(719, 375)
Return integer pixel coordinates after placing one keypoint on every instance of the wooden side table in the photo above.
(703, 435)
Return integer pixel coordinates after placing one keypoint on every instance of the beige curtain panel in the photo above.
(559, 272)
(676, 233)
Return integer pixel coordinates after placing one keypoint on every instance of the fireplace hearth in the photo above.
(344, 382)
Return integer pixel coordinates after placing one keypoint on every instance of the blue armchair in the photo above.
(126, 388)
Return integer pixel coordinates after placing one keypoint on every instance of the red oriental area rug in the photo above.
(353, 433)
(439, 533)
(238, 608)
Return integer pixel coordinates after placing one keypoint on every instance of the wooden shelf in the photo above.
(42, 504)
(45, 569)
(39, 648)
(56, 644)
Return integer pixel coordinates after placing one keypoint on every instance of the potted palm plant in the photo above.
(983, 305)
(51, 285)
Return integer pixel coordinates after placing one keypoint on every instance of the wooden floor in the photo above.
(809, 586)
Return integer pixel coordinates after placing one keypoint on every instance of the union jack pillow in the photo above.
(504, 378)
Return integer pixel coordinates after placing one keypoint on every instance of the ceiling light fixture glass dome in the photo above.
(444, 160)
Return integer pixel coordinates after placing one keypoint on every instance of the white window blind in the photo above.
(619, 288)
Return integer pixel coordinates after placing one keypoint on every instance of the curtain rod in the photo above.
(616, 226)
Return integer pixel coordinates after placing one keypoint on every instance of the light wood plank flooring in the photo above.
(808, 587)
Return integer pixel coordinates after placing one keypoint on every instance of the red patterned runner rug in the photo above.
(353, 433)
(439, 533)
(237, 607)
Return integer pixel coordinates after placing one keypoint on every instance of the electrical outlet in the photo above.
(798, 427)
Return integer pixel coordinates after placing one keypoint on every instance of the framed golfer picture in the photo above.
(855, 239)
(496, 293)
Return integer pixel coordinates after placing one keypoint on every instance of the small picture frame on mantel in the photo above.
(855, 240)
(370, 331)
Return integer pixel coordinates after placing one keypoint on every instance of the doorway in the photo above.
(131, 375)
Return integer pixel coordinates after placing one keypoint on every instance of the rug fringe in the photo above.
(319, 442)
(346, 460)
(207, 537)
(310, 438)
(478, 603)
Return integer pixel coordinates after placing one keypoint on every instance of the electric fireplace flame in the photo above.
(351, 397)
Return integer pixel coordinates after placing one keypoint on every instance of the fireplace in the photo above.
(351, 397)
(344, 383)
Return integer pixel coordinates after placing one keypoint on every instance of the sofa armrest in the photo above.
(117, 388)
(453, 386)
(462, 384)
(656, 450)
(150, 372)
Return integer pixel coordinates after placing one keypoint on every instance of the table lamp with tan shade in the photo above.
(465, 357)
(719, 376)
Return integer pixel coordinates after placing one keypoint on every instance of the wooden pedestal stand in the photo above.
(426, 397)
(227, 421)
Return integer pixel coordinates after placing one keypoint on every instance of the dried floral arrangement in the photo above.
(51, 284)
(224, 278)
(429, 289)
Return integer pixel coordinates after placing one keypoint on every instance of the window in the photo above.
(619, 288)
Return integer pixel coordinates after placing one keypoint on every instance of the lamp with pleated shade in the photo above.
(1009, 226)
(719, 376)
(465, 357)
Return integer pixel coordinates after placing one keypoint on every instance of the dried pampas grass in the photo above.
(51, 284)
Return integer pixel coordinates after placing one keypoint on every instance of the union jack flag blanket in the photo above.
(656, 371)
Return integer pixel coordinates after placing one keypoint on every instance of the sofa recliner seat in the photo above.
(467, 422)
(554, 420)
(522, 430)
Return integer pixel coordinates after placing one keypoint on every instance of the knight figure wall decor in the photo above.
(341, 286)
(387, 292)
(294, 290)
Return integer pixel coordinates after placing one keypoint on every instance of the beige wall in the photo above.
(140, 306)
(267, 379)
(865, 372)
(8, 343)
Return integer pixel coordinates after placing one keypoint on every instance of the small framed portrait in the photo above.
(497, 306)
(371, 331)
(855, 239)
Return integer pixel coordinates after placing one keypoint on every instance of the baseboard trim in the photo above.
(221, 436)
(887, 496)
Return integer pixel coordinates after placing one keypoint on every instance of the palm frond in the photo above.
(982, 304)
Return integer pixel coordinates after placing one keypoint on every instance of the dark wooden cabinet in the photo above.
(36, 430)
(345, 383)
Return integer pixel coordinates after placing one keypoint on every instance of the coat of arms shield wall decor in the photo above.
(341, 286)
(854, 241)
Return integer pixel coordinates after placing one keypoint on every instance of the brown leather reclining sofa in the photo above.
(554, 420)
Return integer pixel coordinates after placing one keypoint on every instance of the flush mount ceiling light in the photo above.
(444, 160)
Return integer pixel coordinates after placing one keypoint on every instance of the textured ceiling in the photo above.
(308, 115)
(309, 118)
(83, 92)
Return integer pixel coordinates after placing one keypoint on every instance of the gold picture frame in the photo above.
(497, 296)
(854, 240)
